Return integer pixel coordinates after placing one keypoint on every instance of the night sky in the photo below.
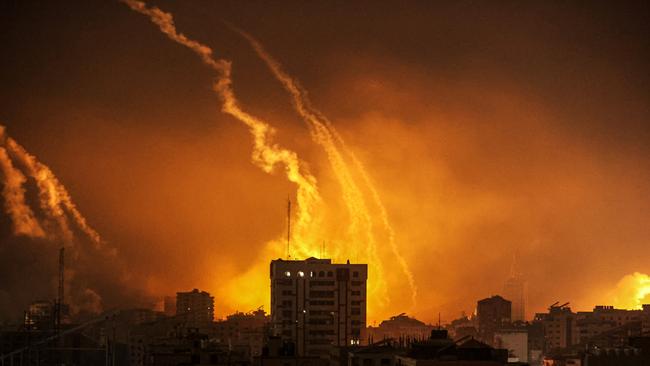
(488, 128)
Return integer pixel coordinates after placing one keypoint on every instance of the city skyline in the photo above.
(432, 147)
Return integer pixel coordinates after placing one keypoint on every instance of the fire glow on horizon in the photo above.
(363, 230)
(431, 169)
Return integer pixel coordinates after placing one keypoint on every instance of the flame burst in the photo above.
(359, 195)
(632, 291)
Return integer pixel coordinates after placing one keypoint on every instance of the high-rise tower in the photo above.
(318, 304)
(514, 289)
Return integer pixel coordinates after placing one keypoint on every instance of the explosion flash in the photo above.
(632, 291)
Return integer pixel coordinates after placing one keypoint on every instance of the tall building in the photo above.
(493, 314)
(514, 289)
(196, 306)
(318, 304)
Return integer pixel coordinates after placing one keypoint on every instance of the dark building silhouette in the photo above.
(399, 326)
(439, 349)
(559, 326)
(635, 352)
(169, 305)
(493, 314)
(248, 330)
(40, 315)
(318, 304)
(197, 307)
(279, 352)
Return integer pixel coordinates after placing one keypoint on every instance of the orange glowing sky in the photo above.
(484, 129)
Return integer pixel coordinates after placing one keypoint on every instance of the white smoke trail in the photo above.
(54, 198)
(23, 219)
(325, 134)
(266, 154)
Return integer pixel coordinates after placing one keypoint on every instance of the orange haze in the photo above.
(478, 141)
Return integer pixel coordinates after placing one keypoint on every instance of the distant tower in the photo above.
(514, 289)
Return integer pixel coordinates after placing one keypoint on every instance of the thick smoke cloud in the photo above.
(486, 129)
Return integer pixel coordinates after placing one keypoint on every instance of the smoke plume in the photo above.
(324, 133)
(266, 154)
(49, 227)
(361, 239)
(23, 219)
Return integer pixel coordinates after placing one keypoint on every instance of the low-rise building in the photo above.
(197, 307)
(515, 340)
(399, 326)
(492, 314)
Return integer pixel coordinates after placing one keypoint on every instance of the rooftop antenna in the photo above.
(60, 298)
(438, 320)
(288, 227)
(514, 267)
(322, 250)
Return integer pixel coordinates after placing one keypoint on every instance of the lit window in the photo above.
(301, 273)
(287, 273)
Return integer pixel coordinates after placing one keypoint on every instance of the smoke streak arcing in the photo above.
(326, 135)
(266, 154)
(23, 219)
(57, 220)
(54, 198)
